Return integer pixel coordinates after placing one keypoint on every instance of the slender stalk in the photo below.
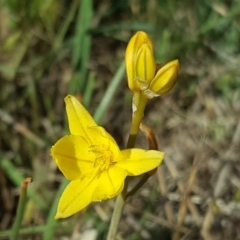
(117, 213)
(138, 113)
(139, 104)
(143, 179)
(20, 209)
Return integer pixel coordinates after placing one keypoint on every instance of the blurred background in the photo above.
(51, 48)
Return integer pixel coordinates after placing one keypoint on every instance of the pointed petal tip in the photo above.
(79, 118)
(138, 161)
(59, 216)
(69, 96)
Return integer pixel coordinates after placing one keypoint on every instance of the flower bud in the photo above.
(139, 59)
(145, 66)
(164, 79)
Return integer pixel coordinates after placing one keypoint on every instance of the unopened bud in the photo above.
(139, 59)
(164, 80)
(145, 66)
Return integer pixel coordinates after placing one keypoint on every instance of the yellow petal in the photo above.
(72, 156)
(164, 79)
(138, 161)
(145, 66)
(78, 117)
(109, 184)
(76, 196)
(133, 47)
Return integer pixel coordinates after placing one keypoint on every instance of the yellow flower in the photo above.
(92, 161)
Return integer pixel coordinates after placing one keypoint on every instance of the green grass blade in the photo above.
(16, 177)
(108, 96)
(82, 46)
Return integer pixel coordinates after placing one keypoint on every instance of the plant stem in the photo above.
(20, 209)
(139, 104)
(143, 179)
(117, 213)
(138, 113)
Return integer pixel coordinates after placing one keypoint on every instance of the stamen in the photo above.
(103, 155)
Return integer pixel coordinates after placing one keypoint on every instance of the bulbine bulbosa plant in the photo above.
(89, 156)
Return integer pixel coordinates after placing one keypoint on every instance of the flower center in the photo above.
(103, 155)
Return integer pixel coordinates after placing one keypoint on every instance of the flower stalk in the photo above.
(116, 216)
(139, 104)
(20, 208)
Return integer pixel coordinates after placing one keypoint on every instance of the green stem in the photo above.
(143, 179)
(20, 209)
(117, 213)
(139, 104)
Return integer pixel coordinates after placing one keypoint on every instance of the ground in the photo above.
(53, 48)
